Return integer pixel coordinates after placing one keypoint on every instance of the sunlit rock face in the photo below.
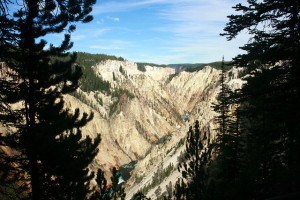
(146, 122)
(160, 99)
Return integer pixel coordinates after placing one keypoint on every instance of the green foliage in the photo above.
(80, 96)
(142, 66)
(139, 196)
(169, 191)
(158, 192)
(200, 66)
(161, 174)
(182, 157)
(114, 77)
(100, 191)
(140, 128)
(168, 170)
(122, 71)
(52, 154)
(266, 158)
(164, 139)
(171, 76)
(193, 183)
(89, 60)
(181, 142)
(258, 150)
(117, 94)
(229, 145)
(91, 82)
(223, 105)
(158, 177)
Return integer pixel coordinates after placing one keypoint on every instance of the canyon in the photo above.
(145, 118)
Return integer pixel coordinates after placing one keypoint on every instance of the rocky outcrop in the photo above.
(144, 121)
(159, 98)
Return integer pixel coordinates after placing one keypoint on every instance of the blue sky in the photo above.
(159, 31)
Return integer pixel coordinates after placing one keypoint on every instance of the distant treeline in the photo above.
(199, 66)
(142, 66)
(90, 81)
(89, 60)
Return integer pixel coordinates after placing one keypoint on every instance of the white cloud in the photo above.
(195, 26)
(115, 19)
(77, 37)
(110, 45)
(124, 5)
(89, 33)
(192, 26)
(99, 21)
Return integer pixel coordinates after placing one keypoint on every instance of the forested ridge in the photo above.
(89, 81)
(197, 67)
(256, 151)
(89, 60)
(255, 154)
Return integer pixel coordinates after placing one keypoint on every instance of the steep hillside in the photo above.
(195, 92)
(143, 113)
(133, 116)
(140, 116)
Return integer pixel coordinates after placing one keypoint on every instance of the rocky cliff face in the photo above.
(146, 115)
(144, 122)
(192, 93)
(137, 123)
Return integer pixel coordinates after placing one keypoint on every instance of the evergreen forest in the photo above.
(256, 151)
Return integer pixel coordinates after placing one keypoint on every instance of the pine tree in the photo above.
(158, 192)
(180, 189)
(222, 107)
(270, 99)
(100, 192)
(169, 190)
(229, 146)
(139, 196)
(53, 155)
(266, 137)
(193, 184)
(114, 77)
